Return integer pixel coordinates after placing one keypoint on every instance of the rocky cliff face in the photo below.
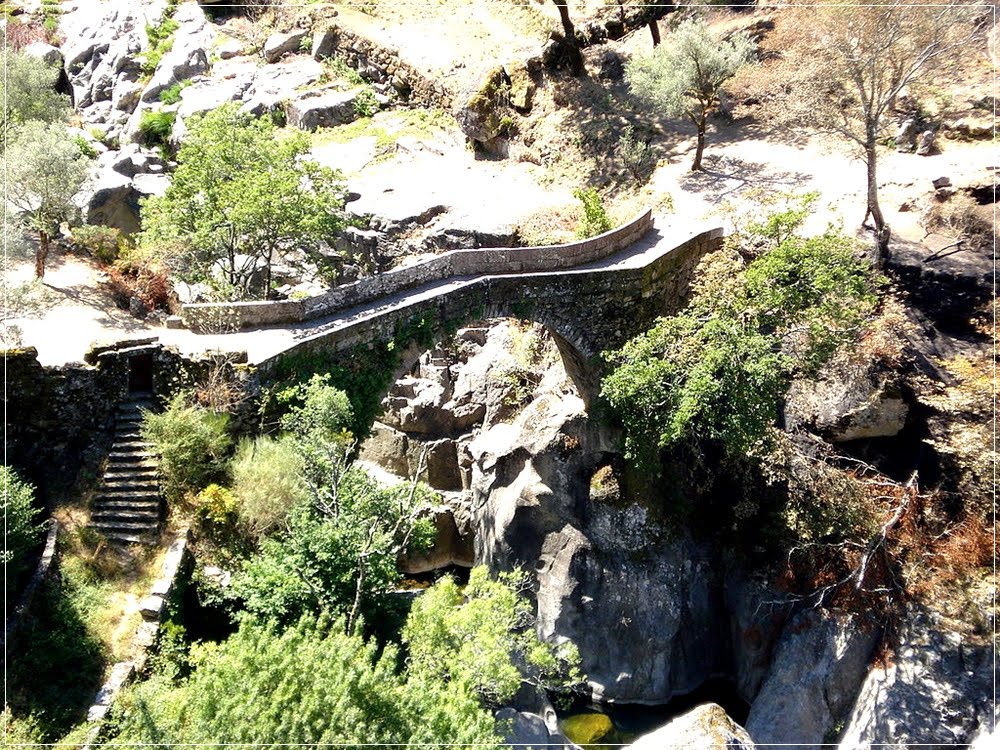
(495, 423)
(530, 478)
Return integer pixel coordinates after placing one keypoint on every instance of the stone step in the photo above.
(131, 443)
(127, 538)
(139, 527)
(131, 456)
(144, 495)
(134, 408)
(109, 504)
(124, 490)
(147, 517)
(130, 483)
(128, 467)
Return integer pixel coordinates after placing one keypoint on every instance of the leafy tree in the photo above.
(240, 195)
(21, 530)
(20, 299)
(44, 170)
(863, 55)
(338, 554)
(308, 685)
(267, 482)
(685, 76)
(191, 442)
(482, 638)
(316, 408)
(718, 370)
(27, 91)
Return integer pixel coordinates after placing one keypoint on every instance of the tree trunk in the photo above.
(701, 145)
(874, 210)
(654, 30)
(572, 48)
(359, 586)
(42, 254)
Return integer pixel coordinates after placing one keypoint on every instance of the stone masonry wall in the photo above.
(381, 65)
(456, 263)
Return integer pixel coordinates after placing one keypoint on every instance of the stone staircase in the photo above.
(128, 506)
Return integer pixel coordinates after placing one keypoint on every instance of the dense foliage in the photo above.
(684, 76)
(311, 684)
(267, 482)
(192, 443)
(336, 553)
(482, 638)
(27, 92)
(718, 370)
(21, 531)
(241, 194)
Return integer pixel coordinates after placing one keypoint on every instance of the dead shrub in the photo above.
(964, 219)
(148, 283)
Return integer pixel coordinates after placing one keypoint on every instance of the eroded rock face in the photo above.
(642, 603)
(814, 676)
(848, 403)
(936, 688)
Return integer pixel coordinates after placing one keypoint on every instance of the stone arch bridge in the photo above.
(591, 295)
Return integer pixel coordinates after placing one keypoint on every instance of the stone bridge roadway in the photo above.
(588, 308)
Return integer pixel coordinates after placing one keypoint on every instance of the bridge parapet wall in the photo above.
(454, 263)
(592, 310)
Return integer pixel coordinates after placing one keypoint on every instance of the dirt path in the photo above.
(73, 310)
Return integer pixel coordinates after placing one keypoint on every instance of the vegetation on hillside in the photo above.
(685, 76)
(21, 532)
(717, 371)
(240, 195)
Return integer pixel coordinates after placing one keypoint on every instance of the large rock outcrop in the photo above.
(935, 689)
(815, 674)
(641, 602)
(706, 726)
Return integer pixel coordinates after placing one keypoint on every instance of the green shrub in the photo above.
(160, 37)
(338, 69)
(635, 154)
(267, 483)
(172, 95)
(103, 243)
(21, 529)
(482, 636)
(718, 370)
(307, 685)
(85, 148)
(595, 218)
(349, 536)
(191, 442)
(365, 105)
(316, 408)
(216, 503)
(155, 127)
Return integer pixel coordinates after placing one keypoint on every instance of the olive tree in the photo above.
(27, 91)
(44, 170)
(861, 56)
(241, 194)
(684, 76)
